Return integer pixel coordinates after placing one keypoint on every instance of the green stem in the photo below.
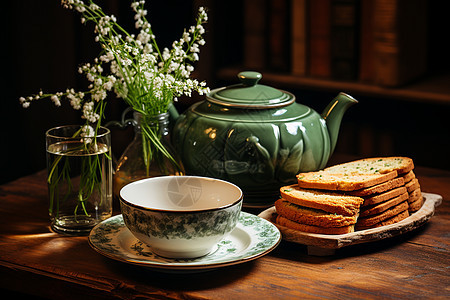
(152, 139)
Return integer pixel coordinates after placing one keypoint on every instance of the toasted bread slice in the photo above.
(375, 165)
(375, 199)
(415, 195)
(341, 182)
(374, 219)
(383, 206)
(331, 202)
(408, 176)
(280, 220)
(311, 216)
(416, 205)
(397, 218)
(412, 185)
(379, 188)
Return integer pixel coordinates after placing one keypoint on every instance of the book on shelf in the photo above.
(399, 41)
(299, 32)
(366, 48)
(319, 38)
(279, 36)
(344, 39)
(255, 37)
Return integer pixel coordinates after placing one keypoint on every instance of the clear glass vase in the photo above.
(150, 154)
(79, 178)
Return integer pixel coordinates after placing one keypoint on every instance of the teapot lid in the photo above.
(250, 94)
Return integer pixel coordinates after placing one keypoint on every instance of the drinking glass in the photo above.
(79, 178)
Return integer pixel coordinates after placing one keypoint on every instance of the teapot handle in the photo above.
(123, 123)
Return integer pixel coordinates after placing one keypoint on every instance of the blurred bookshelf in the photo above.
(391, 49)
(431, 89)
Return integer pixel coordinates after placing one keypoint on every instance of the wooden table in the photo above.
(36, 261)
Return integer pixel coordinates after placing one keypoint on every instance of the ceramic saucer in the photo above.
(252, 238)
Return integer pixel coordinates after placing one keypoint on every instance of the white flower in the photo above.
(126, 62)
(195, 48)
(87, 131)
(186, 37)
(94, 6)
(143, 37)
(55, 100)
(166, 54)
(90, 77)
(109, 84)
(109, 56)
(200, 29)
(75, 100)
(81, 9)
(88, 112)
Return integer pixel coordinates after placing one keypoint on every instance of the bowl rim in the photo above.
(239, 199)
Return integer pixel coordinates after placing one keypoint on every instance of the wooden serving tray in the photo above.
(326, 244)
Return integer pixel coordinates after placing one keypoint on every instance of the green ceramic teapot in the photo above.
(256, 137)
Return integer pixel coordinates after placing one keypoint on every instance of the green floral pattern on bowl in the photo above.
(179, 225)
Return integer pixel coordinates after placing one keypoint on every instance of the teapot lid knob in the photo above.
(249, 78)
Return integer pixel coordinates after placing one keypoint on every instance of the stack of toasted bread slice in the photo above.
(317, 211)
(379, 191)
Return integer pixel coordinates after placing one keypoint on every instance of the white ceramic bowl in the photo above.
(180, 216)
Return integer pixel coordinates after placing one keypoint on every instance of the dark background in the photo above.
(46, 43)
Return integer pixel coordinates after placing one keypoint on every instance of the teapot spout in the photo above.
(333, 114)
